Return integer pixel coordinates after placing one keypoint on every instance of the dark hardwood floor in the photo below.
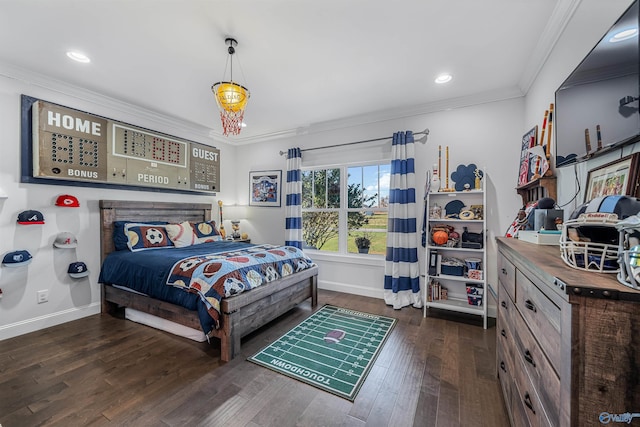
(102, 370)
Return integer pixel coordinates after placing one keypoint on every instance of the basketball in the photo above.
(232, 96)
(440, 237)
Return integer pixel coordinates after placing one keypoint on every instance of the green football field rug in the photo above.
(333, 349)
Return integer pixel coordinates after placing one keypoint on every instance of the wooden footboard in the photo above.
(249, 311)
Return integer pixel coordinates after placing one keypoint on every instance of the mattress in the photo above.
(164, 325)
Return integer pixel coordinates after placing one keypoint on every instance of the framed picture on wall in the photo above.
(527, 159)
(619, 177)
(265, 188)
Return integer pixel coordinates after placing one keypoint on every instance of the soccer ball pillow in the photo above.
(146, 236)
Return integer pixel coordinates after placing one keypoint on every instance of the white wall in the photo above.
(69, 298)
(488, 135)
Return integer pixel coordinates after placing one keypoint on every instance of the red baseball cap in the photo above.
(67, 201)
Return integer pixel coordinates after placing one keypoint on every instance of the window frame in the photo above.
(343, 210)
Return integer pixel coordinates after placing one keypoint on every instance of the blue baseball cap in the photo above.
(30, 217)
(16, 259)
(78, 269)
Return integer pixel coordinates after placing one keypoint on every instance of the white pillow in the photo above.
(181, 234)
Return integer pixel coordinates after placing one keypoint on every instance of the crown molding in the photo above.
(187, 128)
(198, 132)
(549, 36)
(386, 115)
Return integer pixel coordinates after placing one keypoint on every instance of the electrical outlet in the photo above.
(43, 296)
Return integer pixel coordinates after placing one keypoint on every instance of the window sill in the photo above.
(374, 260)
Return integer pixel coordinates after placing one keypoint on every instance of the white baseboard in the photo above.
(37, 323)
(42, 322)
(373, 293)
(351, 289)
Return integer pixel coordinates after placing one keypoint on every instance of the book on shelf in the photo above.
(436, 292)
(433, 263)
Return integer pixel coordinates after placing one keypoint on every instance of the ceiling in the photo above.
(308, 64)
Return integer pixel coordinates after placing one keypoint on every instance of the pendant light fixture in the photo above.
(231, 96)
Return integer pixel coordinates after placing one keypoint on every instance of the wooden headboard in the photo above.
(136, 211)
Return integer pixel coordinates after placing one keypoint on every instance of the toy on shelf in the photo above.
(434, 185)
(467, 177)
(446, 188)
(478, 174)
(235, 229)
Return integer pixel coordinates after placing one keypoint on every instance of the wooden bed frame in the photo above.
(241, 314)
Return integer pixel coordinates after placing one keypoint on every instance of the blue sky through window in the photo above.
(375, 179)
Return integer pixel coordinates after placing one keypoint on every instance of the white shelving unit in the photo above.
(456, 285)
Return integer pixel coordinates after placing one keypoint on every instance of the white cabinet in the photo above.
(456, 257)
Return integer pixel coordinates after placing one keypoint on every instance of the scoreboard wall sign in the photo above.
(71, 145)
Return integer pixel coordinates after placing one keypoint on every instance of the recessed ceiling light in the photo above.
(243, 124)
(78, 57)
(443, 78)
(623, 35)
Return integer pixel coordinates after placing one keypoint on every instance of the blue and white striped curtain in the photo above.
(402, 270)
(293, 192)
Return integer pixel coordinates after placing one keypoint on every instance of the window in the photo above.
(344, 205)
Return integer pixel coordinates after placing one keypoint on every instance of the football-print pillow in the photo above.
(181, 234)
(145, 236)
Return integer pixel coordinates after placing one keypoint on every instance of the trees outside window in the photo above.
(343, 204)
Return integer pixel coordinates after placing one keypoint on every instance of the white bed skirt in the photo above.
(164, 325)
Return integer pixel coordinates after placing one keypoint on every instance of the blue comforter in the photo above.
(197, 277)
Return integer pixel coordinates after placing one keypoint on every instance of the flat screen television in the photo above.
(596, 107)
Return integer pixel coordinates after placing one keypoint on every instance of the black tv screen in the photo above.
(596, 107)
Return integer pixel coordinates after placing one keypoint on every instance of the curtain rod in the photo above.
(423, 140)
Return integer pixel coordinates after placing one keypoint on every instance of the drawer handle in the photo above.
(504, 304)
(530, 305)
(502, 366)
(504, 271)
(527, 401)
(529, 358)
(503, 333)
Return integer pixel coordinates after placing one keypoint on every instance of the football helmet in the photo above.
(629, 251)
(590, 240)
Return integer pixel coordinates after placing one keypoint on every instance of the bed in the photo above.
(238, 314)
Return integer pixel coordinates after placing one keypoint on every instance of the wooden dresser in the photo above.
(568, 344)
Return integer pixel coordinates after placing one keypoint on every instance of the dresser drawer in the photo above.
(520, 413)
(504, 324)
(544, 379)
(541, 315)
(507, 275)
(505, 373)
(505, 338)
(525, 401)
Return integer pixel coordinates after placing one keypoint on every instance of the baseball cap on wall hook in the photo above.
(67, 201)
